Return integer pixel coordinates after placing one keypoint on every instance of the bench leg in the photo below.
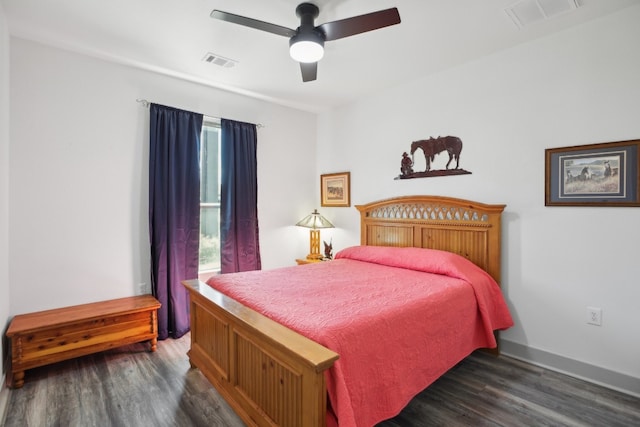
(17, 380)
(154, 344)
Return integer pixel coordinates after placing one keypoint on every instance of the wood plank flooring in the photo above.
(132, 387)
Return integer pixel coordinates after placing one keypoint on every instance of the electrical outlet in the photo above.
(594, 316)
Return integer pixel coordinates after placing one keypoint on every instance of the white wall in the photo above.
(578, 87)
(79, 174)
(4, 198)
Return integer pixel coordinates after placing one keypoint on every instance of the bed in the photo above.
(276, 372)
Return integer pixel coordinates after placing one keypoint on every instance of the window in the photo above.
(210, 196)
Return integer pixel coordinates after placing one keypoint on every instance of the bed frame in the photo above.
(273, 376)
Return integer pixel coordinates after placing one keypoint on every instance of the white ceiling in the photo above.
(173, 36)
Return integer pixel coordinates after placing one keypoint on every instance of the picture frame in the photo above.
(335, 189)
(604, 174)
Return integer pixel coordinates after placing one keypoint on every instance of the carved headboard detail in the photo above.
(465, 227)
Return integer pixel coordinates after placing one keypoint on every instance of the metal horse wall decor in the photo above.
(432, 147)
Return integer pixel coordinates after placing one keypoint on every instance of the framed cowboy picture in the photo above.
(605, 174)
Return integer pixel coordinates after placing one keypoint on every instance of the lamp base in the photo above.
(314, 246)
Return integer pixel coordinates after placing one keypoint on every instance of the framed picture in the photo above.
(335, 189)
(604, 174)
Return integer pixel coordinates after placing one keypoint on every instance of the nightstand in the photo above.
(307, 261)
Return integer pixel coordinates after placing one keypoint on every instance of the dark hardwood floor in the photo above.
(132, 387)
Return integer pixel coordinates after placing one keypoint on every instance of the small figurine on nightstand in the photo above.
(328, 250)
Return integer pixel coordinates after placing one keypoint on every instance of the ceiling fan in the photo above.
(306, 43)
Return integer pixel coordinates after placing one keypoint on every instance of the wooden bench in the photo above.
(50, 336)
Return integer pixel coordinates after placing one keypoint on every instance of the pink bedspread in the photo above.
(398, 317)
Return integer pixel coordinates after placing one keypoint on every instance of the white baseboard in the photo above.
(595, 374)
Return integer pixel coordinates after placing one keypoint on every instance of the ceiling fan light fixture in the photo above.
(306, 43)
(306, 48)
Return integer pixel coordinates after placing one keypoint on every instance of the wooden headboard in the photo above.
(465, 227)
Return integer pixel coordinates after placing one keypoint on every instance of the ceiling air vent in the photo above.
(221, 61)
(526, 12)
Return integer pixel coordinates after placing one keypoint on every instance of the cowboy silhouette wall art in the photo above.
(432, 147)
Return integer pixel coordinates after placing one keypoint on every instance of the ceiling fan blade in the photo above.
(309, 71)
(360, 24)
(253, 23)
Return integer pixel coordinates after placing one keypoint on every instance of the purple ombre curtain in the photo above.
(174, 212)
(240, 247)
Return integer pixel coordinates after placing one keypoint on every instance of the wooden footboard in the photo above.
(270, 375)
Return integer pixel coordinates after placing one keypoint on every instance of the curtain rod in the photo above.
(146, 104)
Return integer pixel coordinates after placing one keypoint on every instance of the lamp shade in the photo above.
(306, 47)
(314, 220)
